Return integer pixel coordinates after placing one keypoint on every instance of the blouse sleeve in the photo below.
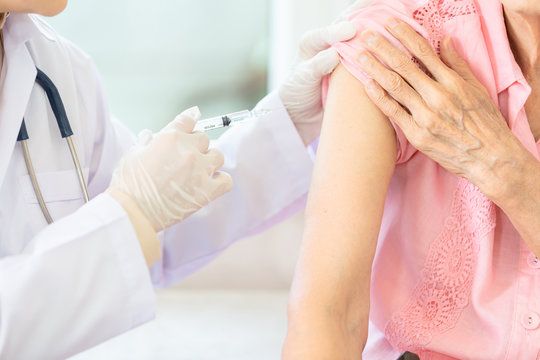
(374, 17)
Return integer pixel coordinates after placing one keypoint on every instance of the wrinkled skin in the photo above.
(450, 118)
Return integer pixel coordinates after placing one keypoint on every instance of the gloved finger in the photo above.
(200, 140)
(220, 184)
(322, 64)
(317, 40)
(145, 137)
(186, 121)
(359, 4)
(216, 160)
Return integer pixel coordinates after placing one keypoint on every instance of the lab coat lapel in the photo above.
(19, 73)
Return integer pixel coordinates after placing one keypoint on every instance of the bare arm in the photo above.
(329, 303)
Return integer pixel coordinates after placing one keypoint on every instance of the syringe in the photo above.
(229, 119)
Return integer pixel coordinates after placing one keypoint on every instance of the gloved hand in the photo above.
(172, 174)
(301, 92)
(357, 5)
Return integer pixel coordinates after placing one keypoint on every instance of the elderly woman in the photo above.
(88, 276)
(423, 221)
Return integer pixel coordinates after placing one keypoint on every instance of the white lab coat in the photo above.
(83, 280)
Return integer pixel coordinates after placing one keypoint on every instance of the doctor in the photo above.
(85, 278)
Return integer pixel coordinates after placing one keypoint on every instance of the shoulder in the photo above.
(71, 70)
(432, 19)
(64, 62)
(48, 46)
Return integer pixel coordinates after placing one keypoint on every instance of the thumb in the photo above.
(318, 40)
(186, 121)
(323, 64)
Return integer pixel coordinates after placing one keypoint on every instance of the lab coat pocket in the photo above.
(61, 192)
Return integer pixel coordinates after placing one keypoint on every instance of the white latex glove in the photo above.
(301, 92)
(357, 5)
(172, 174)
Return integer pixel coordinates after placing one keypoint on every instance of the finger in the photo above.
(318, 40)
(455, 61)
(322, 64)
(202, 141)
(185, 122)
(390, 81)
(389, 107)
(398, 61)
(216, 160)
(419, 47)
(351, 9)
(220, 184)
(145, 137)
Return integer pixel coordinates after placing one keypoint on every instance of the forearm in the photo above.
(329, 301)
(327, 319)
(324, 339)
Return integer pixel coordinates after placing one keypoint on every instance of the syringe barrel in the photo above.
(239, 116)
(211, 123)
(222, 121)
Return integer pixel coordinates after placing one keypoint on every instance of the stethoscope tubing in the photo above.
(66, 132)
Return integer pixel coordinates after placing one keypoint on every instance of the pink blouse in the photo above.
(452, 278)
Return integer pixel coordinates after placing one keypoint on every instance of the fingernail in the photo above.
(392, 23)
(448, 43)
(371, 86)
(193, 112)
(370, 37)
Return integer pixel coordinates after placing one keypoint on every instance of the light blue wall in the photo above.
(160, 57)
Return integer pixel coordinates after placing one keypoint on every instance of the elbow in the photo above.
(322, 329)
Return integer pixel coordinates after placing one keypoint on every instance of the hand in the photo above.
(301, 92)
(450, 118)
(357, 5)
(172, 174)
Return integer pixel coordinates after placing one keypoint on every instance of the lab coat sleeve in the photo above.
(271, 170)
(82, 281)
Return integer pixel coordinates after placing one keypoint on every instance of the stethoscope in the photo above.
(63, 125)
(65, 130)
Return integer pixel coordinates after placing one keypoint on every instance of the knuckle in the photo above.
(305, 47)
(395, 83)
(429, 121)
(227, 183)
(190, 156)
(202, 139)
(170, 138)
(423, 49)
(392, 110)
(442, 100)
(401, 63)
(219, 158)
(378, 97)
(456, 84)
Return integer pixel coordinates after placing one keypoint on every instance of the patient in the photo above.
(429, 257)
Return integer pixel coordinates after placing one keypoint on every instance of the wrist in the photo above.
(513, 185)
(144, 230)
(506, 176)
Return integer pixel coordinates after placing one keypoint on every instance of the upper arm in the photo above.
(355, 161)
